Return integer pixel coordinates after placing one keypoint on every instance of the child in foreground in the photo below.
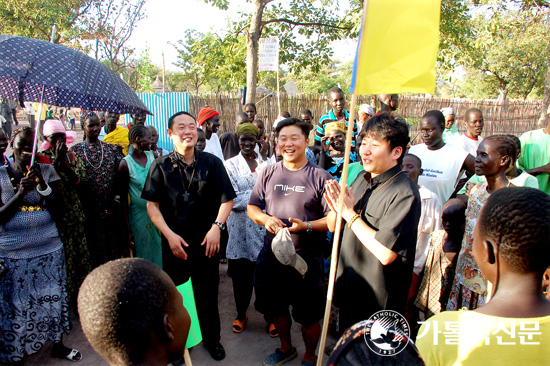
(132, 314)
(512, 249)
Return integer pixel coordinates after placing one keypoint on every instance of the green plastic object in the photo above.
(195, 335)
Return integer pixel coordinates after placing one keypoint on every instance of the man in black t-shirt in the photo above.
(382, 213)
(189, 197)
(292, 193)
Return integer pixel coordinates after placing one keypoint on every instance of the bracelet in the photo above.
(45, 192)
(353, 219)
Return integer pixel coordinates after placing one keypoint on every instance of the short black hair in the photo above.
(472, 110)
(136, 132)
(335, 89)
(305, 111)
(516, 220)
(384, 126)
(25, 130)
(251, 105)
(171, 119)
(293, 121)
(242, 116)
(438, 116)
(505, 146)
(415, 158)
(120, 304)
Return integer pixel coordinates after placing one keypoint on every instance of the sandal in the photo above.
(238, 326)
(74, 355)
(272, 331)
(278, 358)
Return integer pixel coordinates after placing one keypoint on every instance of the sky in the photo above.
(167, 21)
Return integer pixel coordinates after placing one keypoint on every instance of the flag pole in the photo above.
(336, 236)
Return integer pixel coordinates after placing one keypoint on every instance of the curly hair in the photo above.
(516, 220)
(120, 304)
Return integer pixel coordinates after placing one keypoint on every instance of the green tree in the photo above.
(210, 62)
(304, 28)
(33, 18)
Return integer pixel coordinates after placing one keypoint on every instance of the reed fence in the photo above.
(510, 117)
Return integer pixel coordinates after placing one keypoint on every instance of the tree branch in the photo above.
(283, 20)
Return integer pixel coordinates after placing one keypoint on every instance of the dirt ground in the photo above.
(247, 348)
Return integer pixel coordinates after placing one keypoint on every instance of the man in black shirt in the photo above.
(189, 198)
(382, 211)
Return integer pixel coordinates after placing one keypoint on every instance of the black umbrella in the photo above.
(38, 71)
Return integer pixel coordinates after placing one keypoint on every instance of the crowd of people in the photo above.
(439, 232)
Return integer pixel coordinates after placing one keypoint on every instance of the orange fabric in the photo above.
(206, 113)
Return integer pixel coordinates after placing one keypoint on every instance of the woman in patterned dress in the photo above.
(494, 155)
(34, 307)
(101, 160)
(70, 223)
(246, 238)
(132, 173)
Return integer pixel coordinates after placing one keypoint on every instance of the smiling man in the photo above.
(189, 197)
(292, 193)
(382, 211)
(209, 122)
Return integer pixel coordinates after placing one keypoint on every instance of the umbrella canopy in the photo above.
(68, 77)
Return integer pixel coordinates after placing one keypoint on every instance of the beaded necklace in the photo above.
(86, 155)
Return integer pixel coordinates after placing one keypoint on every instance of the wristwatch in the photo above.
(309, 229)
(220, 225)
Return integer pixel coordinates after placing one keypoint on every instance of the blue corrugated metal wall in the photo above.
(163, 106)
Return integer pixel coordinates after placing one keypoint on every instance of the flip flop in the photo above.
(272, 331)
(74, 355)
(278, 358)
(238, 326)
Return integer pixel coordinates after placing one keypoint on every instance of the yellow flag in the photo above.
(397, 47)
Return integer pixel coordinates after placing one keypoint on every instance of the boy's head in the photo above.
(474, 122)
(201, 140)
(240, 118)
(337, 99)
(129, 307)
(384, 141)
(512, 233)
(453, 216)
(412, 166)
(250, 110)
(261, 127)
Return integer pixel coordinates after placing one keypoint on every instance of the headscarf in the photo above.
(338, 126)
(52, 126)
(206, 113)
(247, 128)
(448, 111)
(367, 109)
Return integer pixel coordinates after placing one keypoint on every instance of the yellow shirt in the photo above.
(36, 106)
(119, 137)
(468, 338)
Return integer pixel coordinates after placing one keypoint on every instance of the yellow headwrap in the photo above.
(338, 126)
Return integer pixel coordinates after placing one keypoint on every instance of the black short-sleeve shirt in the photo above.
(169, 179)
(393, 211)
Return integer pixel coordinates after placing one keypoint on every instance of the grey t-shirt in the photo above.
(287, 193)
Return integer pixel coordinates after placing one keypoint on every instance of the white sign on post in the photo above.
(268, 55)
(291, 88)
